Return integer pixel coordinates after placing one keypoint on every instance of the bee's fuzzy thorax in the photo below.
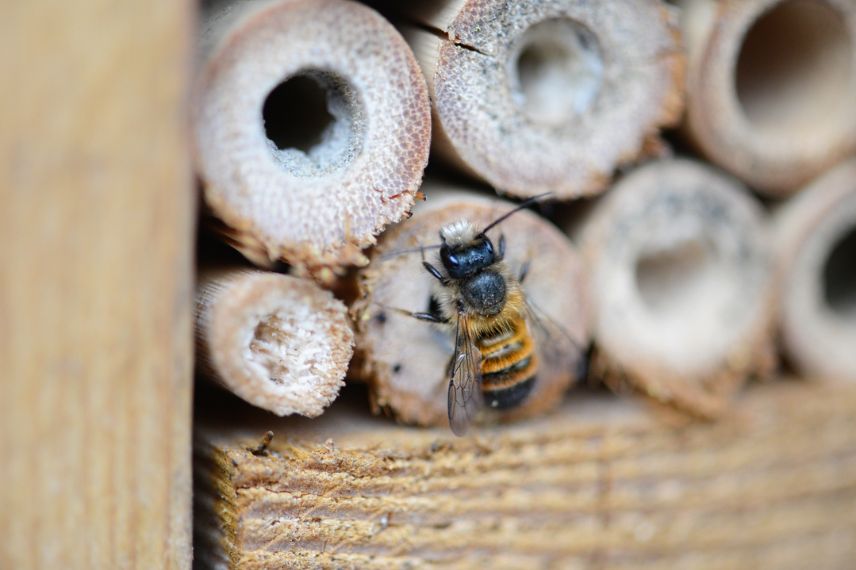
(447, 295)
(460, 232)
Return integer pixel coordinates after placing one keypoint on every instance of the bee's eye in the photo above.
(450, 260)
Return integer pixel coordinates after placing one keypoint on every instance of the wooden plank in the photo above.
(96, 218)
(599, 484)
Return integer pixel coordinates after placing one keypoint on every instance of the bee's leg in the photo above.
(430, 317)
(501, 247)
(434, 308)
(435, 272)
(422, 316)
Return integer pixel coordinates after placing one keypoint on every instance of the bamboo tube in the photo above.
(680, 285)
(600, 485)
(770, 87)
(312, 128)
(547, 96)
(279, 342)
(405, 361)
(816, 251)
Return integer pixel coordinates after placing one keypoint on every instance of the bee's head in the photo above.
(463, 260)
(464, 251)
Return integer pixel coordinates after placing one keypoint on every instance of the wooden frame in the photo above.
(97, 219)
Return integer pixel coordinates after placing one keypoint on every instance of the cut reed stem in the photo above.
(547, 96)
(312, 129)
(279, 342)
(770, 87)
(816, 251)
(680, 280)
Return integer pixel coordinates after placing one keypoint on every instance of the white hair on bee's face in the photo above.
(458, 233)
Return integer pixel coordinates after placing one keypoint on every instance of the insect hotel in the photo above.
(443, 283)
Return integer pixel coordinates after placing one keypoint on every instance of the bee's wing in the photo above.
(556, 347)
(465, 398)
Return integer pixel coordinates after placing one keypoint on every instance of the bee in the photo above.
(495, 327)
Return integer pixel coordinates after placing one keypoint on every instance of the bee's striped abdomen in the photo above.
(508, 366)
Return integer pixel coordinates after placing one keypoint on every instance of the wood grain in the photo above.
(95, 301)
(599, 484)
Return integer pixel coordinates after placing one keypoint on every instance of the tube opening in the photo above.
(676, 280)
(269, 346)
(839, 276)
(794, 69)
(312, 123)
(556, 71)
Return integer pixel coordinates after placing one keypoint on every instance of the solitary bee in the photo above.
(495, 362)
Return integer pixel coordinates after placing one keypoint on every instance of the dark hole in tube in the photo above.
(794, 68)
(296, 114)
(839, 276)
(675, 280)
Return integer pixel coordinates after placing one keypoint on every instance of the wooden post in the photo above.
(96, 218)
(599, 484)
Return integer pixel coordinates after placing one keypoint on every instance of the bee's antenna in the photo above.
(523, 205)
(421, 248)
